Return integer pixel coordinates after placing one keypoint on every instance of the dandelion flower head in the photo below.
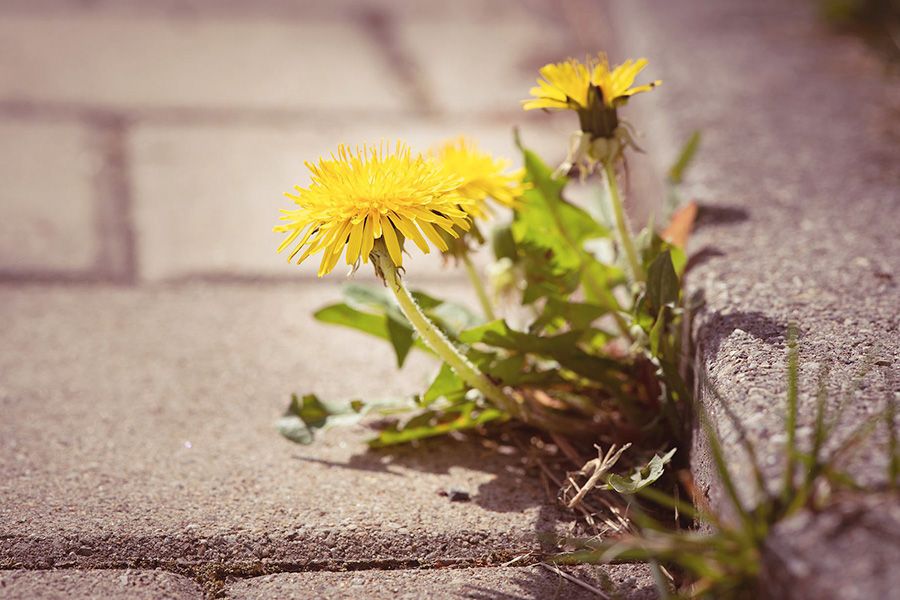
(356, 197)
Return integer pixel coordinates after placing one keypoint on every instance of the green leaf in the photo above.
(374, 311)
(446, 384)
(378, 325)
(453, 318)
(579, 315)
(377, 300)
(401, 338)
(509, 370)
(552, 224)
(434, 423)
(359, 295)
(503, 243)
(307, 414)
(642, 477)
(550, 234)
(562, 348)
(544, 278)
(341, 314)
(425, 301)
(662, 283)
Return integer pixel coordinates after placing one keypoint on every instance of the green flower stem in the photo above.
(437, 341)
(637, 273)
(483, 298)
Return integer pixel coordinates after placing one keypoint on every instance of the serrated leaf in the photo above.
(578, 315)
(562, 348)
(376, 299)
(679, 259)
(307, 415)
(373, 310)
(341, 314)
(546, 219)
(294, 429)
(304, 416)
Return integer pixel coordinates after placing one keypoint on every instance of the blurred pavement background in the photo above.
(148, 141)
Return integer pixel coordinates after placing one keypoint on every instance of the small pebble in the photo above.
(456, 495)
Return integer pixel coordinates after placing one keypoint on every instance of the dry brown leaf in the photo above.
(681, 225)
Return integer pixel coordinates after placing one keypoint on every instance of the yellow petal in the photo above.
(368, 238)
(355, 243)
(433, 235)
(408, 228)
(390, 240)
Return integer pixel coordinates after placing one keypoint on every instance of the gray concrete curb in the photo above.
(798, 175)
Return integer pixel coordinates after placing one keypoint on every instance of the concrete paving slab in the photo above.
(96, 585)
(138, 430)
(206, 197)
(628, 582)
(863, 536)
(48, 203)
(114, 61)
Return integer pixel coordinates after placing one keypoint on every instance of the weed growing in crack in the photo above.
(579, 330)
(722, 557)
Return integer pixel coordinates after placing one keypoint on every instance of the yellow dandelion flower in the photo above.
(567, 85)
(483, 176)
(359, 196)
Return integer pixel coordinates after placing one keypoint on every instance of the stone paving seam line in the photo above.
(230, 116)
(115, 224)
(379, 26)
(213, 577)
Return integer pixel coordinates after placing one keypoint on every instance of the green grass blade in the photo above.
(820, 435)
(685, 157)
(788, 490)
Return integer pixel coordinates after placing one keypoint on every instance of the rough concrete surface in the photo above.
(842, 572)
(139, 429)
(799, 187)
(627, 582)
(124, 584)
